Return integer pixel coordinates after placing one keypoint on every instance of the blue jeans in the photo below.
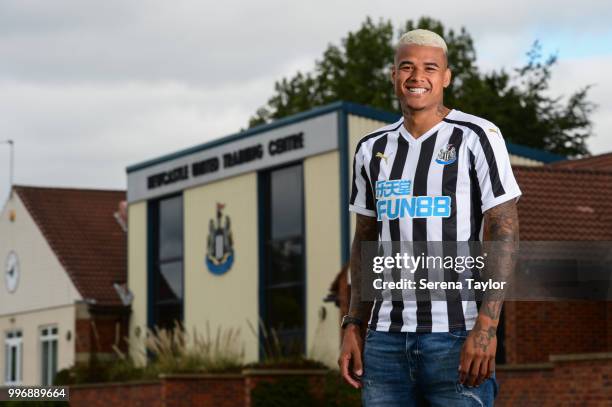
(418, 369)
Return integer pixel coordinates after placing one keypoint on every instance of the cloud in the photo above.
(205, 42)
(572, 74)
(87, 88)
(85, 135)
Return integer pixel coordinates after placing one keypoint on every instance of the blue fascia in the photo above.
(345, 108)
(533, 153)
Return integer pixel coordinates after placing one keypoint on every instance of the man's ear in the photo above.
(447, 77)
(393, 73)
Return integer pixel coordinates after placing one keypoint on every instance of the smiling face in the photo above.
(420, 74)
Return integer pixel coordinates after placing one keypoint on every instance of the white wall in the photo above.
(43, 282)
(45, 294)
(30, 324)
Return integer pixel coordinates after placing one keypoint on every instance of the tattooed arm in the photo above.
(352, 342)
(365, 231)
(500, 236)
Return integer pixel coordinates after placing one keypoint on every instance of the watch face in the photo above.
(11, 272)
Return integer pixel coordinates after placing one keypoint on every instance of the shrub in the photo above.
(277, 356)
(175, 351)
(296, 392)
(339, 394)
(286, 392)
(97, 371)
(171, 351)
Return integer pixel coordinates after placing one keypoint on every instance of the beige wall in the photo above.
(45, 294)
(323, 261)
(30, 324)
(137, 276)
(231, 299)
(43, 283)
(518, 160)
(227, 300)
(358, 127)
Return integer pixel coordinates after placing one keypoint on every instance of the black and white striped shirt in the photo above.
(452, 174)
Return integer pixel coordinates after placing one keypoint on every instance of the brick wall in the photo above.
(83, 337)
(111, 330)
(199, 390)
(535, 330)
(206, 390)
(568, 380)
(255, 376)
(136, 394)
(98, 332)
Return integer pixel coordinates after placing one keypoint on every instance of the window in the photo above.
(166, 261)
(13, 347)
(48, 341)
(283, 279)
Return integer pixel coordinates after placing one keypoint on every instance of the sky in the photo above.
(88, 88)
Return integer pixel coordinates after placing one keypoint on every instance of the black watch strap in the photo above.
(347, 320)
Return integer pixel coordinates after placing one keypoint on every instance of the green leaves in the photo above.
(518, 100)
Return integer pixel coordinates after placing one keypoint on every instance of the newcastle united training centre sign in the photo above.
(244, 152)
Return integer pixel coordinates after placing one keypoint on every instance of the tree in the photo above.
(357, 72)
(518, 102)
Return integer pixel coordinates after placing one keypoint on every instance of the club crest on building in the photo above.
(447, 155)
(220, 244)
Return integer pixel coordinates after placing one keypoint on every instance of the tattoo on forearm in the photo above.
(501, 229)
(492, 309)
(365, 230)
(501, 223)
(483, 336)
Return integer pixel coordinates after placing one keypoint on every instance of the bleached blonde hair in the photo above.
(422, 37)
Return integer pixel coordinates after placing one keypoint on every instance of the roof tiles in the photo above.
(80, 227)
(564, 204)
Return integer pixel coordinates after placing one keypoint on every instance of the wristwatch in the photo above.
(347, 320)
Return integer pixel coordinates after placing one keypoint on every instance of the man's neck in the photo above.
(418, 122)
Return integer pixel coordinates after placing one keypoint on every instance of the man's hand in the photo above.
(350, 362)
(477, 361)
(501, 228)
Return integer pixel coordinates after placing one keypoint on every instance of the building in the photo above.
(252, 226)
(600, 162)
(560, 203)
(63, 293)
(567, 200)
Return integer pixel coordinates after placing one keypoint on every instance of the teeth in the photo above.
(417, 90)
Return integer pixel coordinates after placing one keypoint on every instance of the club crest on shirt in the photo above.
(447, 155)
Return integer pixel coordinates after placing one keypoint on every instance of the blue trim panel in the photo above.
(150, 251)
(345, 217)
(533, 153)
(152, 219)
(370, 112)
(344, 107)
(261, 229)
(263, 219)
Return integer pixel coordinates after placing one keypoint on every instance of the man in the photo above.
(423, 351)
